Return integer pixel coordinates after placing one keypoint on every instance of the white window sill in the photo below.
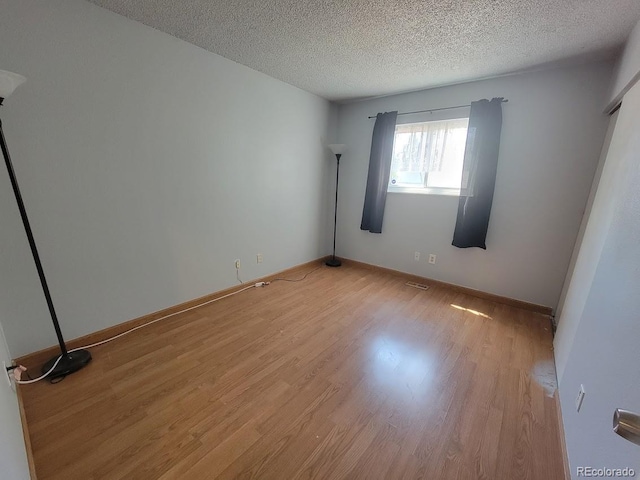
(448, 192)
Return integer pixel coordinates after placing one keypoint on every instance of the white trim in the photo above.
(449, 192)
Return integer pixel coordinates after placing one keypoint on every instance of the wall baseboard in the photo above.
(469, 291)
(563, 443)
(33, 361)
(26, 435)
(36, 359)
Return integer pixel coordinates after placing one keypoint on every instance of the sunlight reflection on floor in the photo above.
(401, 368)
(475, 312)
(544, 373)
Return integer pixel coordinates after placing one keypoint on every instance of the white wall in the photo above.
(583, 260)
(604, 355)
(552, 134)
(147, 165)
(13, 457)
(627, 68)
(598, 330)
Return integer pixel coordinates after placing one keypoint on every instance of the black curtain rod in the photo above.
(437, 109)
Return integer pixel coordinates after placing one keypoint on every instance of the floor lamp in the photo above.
(68, 361)
(338, 150)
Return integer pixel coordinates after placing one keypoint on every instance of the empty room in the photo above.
(314, 239)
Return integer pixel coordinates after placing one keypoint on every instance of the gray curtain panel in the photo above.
(479, 174)
(379, 170)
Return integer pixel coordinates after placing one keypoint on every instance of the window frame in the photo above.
(452, 114)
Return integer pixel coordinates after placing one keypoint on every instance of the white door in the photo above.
(605, 353)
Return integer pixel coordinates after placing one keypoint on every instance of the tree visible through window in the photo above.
(428, 156)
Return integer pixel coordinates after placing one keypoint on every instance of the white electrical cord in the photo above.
(26, 382)
(127, 332)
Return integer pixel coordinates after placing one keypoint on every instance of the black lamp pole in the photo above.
(333, 261)
(69, 362)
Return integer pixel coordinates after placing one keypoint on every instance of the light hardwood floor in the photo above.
(347, 374)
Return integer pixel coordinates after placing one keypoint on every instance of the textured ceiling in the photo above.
(362, 48)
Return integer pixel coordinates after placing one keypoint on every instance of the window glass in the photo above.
(428, 156)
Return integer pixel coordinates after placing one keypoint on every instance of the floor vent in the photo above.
(418, 285)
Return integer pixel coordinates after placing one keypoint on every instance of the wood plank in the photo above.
(347, 374)
(561, 438)
(26, 434)
(36, 359)
(542, 309)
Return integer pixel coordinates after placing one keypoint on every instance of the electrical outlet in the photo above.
(238, 264)
(6, 374)
(416, 256)
(259, 258)
(432, 258)
(580, 398)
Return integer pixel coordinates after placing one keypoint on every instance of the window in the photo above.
(428, 157)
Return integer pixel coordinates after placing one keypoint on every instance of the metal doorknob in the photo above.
(627, 425)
